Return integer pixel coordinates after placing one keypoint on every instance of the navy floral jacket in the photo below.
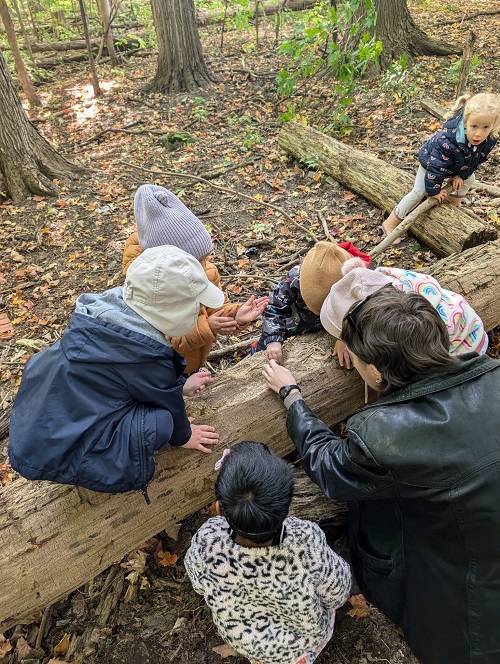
(444, 156)
(287, 313)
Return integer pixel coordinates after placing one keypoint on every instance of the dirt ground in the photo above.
(53, 250)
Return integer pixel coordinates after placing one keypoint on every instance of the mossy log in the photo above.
(55, 538)
(444, 228)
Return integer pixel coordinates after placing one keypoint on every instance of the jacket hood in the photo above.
(104, 329)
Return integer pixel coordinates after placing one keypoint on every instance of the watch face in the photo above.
(283, 391)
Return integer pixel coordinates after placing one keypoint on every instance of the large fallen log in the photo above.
(206, 16)
(445, 229)
(55, 538)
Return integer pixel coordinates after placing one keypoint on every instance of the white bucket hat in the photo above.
(166, 286)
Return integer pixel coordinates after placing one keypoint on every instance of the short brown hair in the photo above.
(401, 334)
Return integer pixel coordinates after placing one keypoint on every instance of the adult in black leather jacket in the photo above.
(421, 471)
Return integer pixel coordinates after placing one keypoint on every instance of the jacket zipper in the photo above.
(142, 456)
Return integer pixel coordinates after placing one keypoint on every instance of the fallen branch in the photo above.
(212, 175)
(109, 129)
(226, 190)
(467, 56)
(465, 18)
(404, 225)
(233, 348)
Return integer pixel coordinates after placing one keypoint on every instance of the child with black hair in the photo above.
(271, 581)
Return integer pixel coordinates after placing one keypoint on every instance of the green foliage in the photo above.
(400, 80)
(454, 70)
(172, 140)
(200, 113)
(259, 227)
(309, 161)
(338, 41)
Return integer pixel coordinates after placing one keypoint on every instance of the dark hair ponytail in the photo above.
(255, 489)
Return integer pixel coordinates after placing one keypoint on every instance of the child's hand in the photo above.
(251, 310)
(456, 182)
(277, 376)
(442, 196)
(222, 324)
(341, 352)
(275, 352)
(201, 434)
(196, 383)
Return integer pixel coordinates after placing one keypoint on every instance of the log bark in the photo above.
(445, 229)
(55, 538)
(205, 16)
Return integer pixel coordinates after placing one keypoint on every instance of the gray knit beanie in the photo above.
(163, 219)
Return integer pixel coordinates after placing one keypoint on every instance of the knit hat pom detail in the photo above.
(352, 264)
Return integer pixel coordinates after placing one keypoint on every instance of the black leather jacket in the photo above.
(421, 469)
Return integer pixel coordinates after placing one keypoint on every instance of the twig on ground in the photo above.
(329, 236)
(219, 173)
(465, 18)
(233, 348)
(226, 190)
(110, 129)
(43, 625)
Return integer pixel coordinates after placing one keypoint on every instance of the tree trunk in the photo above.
(93, 71)
(105, 10)
(467, 56)
(181, 66)
(27, 161)
(399, 34)
(445, 229)
(24, 78)
(55, 538)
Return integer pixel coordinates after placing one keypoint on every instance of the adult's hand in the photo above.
(222, 324)
(196, 383)
(277, 376)
(201, 435)
(340, 351)
(251, 310)
(274, 351)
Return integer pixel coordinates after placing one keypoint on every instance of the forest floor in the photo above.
(53, 250)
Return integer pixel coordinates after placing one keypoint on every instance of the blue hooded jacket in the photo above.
(93, 408)
(449, 153)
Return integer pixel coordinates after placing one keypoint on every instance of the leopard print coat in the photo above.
(271, 604)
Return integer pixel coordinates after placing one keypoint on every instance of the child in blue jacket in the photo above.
(455, 152)
(93, 408)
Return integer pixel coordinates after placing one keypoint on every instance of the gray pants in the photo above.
(411, 200)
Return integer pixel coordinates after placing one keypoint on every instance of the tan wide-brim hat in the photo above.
(322, 267)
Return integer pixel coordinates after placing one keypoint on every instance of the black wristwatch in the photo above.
(286, 389)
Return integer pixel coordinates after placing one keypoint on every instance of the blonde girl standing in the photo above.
(455, 152)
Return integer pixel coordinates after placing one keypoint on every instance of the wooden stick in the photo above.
(467, 56)
(402, 227)
(233, 348)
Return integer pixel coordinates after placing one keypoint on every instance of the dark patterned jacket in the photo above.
(287, 313)
(444, 156)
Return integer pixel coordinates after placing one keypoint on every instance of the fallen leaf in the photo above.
(5, 646)
(360, 607)
(135, 561)
(225, 651)
(6, 329)
(173, 531)
(22, 648)
(130, 594)
(62, 647)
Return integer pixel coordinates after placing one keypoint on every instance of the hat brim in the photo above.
(212, 296)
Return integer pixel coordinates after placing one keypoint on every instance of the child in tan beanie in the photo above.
(295, 303)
